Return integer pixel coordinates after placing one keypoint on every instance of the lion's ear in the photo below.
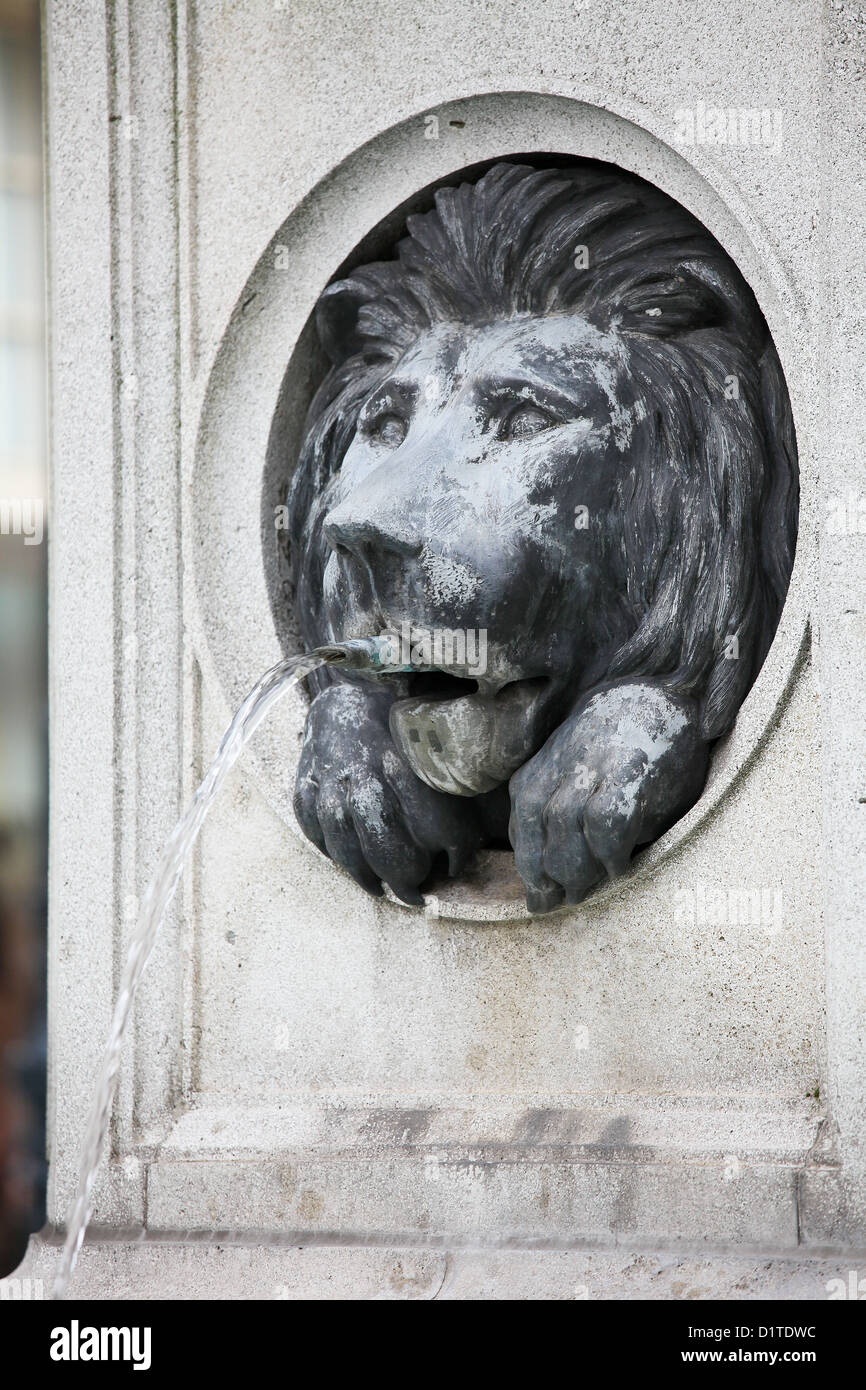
(672, 304)
(337, 319)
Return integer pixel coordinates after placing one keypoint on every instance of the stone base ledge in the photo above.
(486, 1127)
(176, 1267)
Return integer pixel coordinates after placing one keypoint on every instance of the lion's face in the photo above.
(477, 495)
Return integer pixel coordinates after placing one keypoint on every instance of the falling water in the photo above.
(369, 653)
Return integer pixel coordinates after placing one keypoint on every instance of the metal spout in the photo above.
(376, 654)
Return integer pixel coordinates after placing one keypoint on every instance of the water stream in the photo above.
(367, 653)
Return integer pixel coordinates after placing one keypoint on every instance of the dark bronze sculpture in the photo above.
(555, 426)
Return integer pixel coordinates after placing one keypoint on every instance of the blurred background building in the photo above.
(23, 538)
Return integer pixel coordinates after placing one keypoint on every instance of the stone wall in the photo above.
(666, 1067)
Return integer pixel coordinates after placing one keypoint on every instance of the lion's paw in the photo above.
(360, 804)
(625, 765)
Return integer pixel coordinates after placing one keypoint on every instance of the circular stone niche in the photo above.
(266, 371)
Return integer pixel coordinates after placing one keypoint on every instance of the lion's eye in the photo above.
(389, 430)
(525, 421)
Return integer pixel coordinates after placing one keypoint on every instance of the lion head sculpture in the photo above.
(555, 425)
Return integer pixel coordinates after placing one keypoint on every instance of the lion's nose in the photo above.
(367, 536)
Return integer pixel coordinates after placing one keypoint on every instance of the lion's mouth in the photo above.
(464, 739)
(439, 685)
